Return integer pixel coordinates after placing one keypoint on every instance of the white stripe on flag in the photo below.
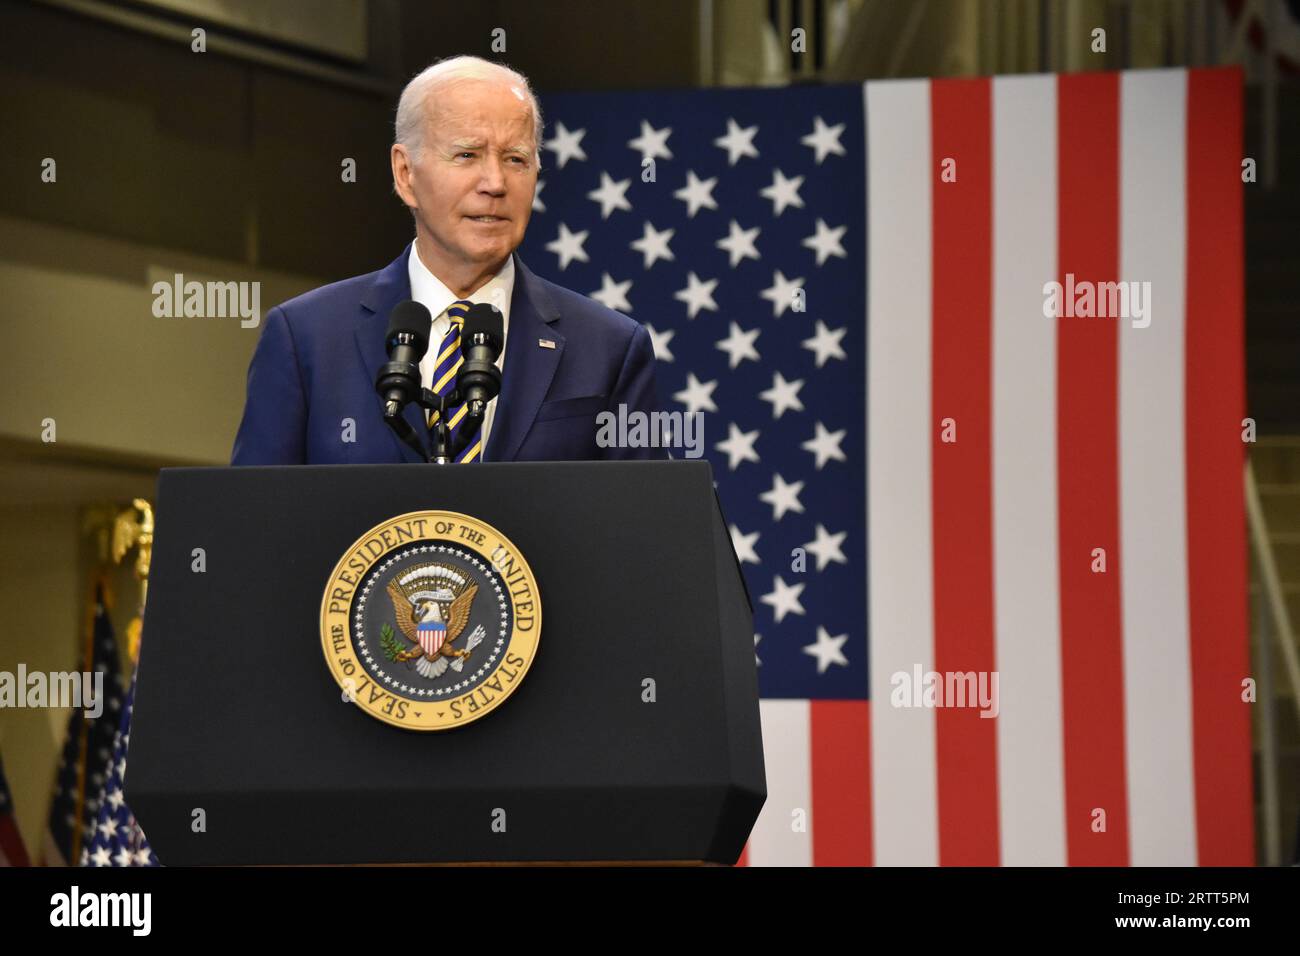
(787, 741)
(1031, 775)
(899, 430)
(1153, 523)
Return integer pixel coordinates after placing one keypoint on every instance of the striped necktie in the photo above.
(444, 380)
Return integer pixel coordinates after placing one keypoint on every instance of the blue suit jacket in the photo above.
(319, 354)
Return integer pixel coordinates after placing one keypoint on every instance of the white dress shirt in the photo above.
(428, 290)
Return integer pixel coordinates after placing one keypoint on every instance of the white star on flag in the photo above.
(739, 345)
(744, 545)
(737, 142)
(653, 244)
(613, 295)
(827, 547)
(659, 343)
(566, 145)
(826, 241)
(781, 292)
(538, 205)
(824, 139)
(783, 192)
(739, 243)
(568, 246)
(739, 446)
(652, 143)
(825, 343)
(697, 193)
(697, 295)
(697, 396)
(783, 497)
(825, 445)
(613, 195)
(783, 598)
(783, 395)
(828, 650)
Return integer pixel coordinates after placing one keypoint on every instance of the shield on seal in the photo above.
(431, 635)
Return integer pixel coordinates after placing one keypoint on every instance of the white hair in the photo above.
(413, 106)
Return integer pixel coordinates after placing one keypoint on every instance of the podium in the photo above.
(632, 737)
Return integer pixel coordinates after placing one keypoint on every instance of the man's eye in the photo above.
(466, 153)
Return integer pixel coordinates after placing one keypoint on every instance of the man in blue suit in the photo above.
(465, 162)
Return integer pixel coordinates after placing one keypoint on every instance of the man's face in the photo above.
(473, 186)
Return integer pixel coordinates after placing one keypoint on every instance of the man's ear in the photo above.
(400, 160)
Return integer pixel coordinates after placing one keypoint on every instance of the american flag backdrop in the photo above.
(922, 472)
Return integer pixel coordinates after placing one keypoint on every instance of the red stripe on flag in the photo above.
(1216, 524)
(1092, 661)
(961, 131)
(841, 782)
(744, 856)
(12, 851)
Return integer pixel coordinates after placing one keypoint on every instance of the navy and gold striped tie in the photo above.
(444, 380)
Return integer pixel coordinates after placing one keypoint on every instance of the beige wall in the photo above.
(40, 573)
(124, 381)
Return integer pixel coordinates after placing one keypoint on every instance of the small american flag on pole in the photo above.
(932, 463)
(116, 838)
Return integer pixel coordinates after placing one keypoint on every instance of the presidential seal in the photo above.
(430, 620)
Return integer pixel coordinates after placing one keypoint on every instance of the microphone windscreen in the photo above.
(412, 317)
(486, 318)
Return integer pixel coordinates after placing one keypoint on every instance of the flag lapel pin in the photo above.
(546, 343)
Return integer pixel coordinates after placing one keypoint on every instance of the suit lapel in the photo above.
(528, 368)
(391, 286)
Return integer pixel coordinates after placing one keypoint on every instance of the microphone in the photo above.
(406, 341)
(479, 380)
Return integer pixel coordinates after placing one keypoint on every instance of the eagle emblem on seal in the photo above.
(432, 603)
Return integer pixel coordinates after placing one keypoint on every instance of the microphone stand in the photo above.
(442, 433)
(444, 449)
(393, 415)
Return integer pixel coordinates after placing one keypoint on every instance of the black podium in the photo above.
(634, 736)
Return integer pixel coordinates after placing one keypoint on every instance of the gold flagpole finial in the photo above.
(131, 530)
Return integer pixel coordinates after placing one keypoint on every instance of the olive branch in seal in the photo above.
(388, 640)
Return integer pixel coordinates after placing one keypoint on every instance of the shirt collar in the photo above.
(433, 294)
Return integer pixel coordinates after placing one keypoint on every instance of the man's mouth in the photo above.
(485, 218)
